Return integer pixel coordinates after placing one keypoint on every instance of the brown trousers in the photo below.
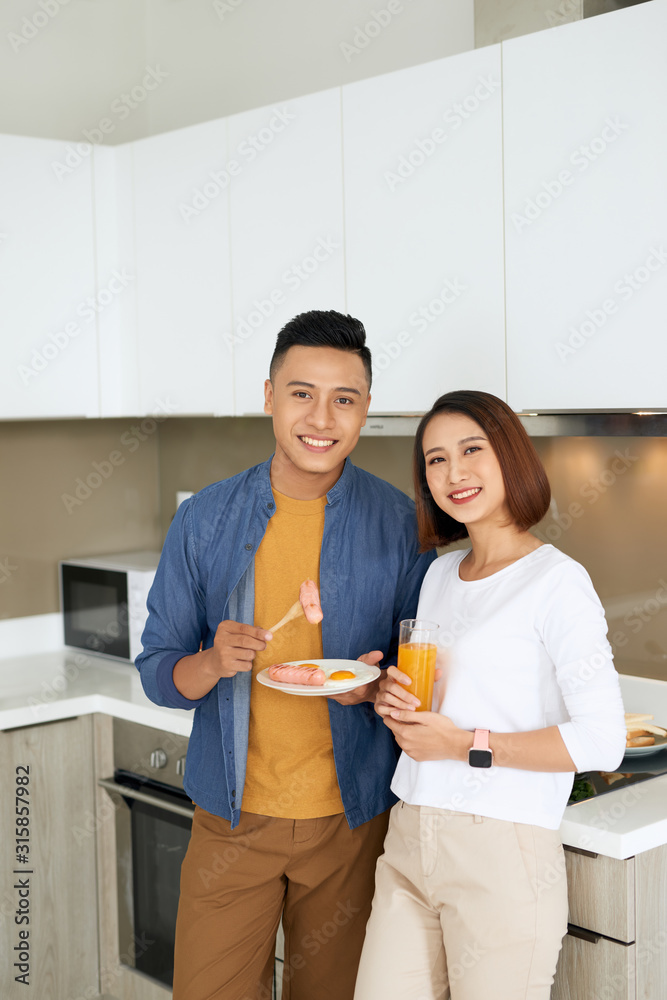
(235, 885)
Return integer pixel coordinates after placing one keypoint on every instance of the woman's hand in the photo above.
(393, 695)
(428, 736)
(422, 735)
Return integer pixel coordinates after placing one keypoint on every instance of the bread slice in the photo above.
(656, 730)
(640, 741)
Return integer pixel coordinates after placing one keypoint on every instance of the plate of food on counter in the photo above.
(642, 735)
(317, 677)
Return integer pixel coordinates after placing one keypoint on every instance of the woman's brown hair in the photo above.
(526, 485)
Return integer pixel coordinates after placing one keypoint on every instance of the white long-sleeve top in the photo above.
(523, 649)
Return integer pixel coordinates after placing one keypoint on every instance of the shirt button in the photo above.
(270, 506)
(248, 547)
(233, 792)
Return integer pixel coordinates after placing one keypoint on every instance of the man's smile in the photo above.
(319, 444)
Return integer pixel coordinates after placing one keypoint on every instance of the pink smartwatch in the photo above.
(480, 753)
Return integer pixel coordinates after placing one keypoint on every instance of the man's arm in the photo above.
(233, 650)
(174, 670)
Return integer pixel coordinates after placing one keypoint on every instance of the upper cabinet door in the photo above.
(183, 283)
(48, 296)
(116, 280)
(586, 213)
(286, 228)
(424, 230)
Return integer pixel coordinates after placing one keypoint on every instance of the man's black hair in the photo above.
(322, 328)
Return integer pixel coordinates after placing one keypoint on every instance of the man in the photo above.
(292, 793)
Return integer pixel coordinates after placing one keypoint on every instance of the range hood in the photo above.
(649, 424)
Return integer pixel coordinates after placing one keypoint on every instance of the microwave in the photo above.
(103, 602)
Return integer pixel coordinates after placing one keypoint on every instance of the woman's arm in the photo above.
(571, 625)
(429, 736)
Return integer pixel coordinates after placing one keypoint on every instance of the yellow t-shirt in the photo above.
(290, 771)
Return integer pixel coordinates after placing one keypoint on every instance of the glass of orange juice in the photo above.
(416, 658)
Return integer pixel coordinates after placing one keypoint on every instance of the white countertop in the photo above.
(56, 685)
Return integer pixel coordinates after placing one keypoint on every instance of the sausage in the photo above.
(287, 673)
(309, 596)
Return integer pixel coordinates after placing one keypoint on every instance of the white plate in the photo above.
(660, 744)
(363, 675)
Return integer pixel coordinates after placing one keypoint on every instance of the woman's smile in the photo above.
(463, 496)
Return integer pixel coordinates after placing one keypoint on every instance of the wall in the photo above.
(608, 512)
(249, 53)
(498, 20)
(62, 497)
(67, 69)
(64, 72)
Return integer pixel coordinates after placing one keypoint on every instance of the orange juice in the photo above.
(417, 660)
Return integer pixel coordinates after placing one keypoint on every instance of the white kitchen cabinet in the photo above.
(183, 271)
(48, 343)
(116, 271)
(585, 148)
(286, 200)
(424, 227)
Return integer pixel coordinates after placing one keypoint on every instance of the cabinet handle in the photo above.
(151, 800)
(583, 935)
(580, 850)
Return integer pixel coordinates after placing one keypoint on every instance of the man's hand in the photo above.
(234, 648)
(368, 691)
(233, 651)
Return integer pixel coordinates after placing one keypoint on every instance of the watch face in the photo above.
(480, 758)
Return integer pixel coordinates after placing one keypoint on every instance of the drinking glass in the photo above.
(416, 658)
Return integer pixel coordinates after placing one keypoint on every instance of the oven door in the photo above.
(95, 609)
(153, 826)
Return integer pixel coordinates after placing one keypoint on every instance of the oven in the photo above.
(153, 825)
(153, 818)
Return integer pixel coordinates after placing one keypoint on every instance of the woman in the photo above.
(471, 894)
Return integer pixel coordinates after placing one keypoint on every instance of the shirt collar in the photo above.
(342, 484)
(336, 493)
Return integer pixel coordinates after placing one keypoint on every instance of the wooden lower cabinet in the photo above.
(592, 969)
(616, 948)
(52, 899)
(602, 894)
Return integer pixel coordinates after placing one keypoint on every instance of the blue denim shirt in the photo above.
(370, 575)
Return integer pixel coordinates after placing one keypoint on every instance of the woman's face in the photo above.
(462, 470)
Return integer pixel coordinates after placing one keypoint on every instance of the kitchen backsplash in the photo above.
(80, 488)
(71, 488)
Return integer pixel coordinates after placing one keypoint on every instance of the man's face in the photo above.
(318, 400)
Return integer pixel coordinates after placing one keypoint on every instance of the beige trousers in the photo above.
(466, 908)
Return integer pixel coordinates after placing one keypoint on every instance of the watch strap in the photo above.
(481, 739)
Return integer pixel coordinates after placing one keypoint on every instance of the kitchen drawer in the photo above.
(601, 894)
(594, 967)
